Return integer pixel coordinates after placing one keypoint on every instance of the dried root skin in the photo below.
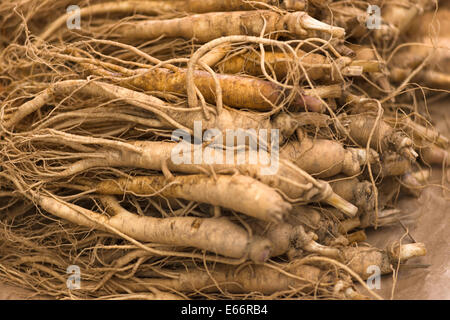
(202, 6)
(393, 164)
(209, 26)
(354, 191)
(435, 155)
(280, 235)
(216, 235)
(397, 18)
(250, 63)
(384, 136)
(253, 278)
(152, 154)
(320, 157)
(239, 193)
(237, 91)
(362, 259)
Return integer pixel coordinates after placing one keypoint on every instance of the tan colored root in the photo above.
(237, 91)
(239, 193)
(133, 227)
(397, 18)
(124, 7)
(251, 278)
(361, 258)
(359, 193)
(435, 155)
(384, 137)
(317, 66)
(325, 158)
(286, 237)
(250, 63)
(236, 5)
(216, 235)
(155, 7)
(209, 26)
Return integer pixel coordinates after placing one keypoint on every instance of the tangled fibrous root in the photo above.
(90, 119)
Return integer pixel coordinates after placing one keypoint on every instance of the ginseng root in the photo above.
(237, 91)
(397, 18)
(435, 155)
(317, 66)
(367, 219)
(325, 158)
(236, 192)
(251, 278)
(361, 259)
(208, 234)
(384, 136)
(286, 237)
(155, 7)
(360, 193)
(209, 26)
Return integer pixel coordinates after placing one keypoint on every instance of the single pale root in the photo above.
(367, 219)
(405, 252)
(236, 5)
(316, 65)
(384, 137)
(362, 259)
(251, 278)
(434, 79)
(209, 26)
(207, 234)
(239, 193)
(435, 156)
(237, 91)
(286, 237)
(215, 55)
(360, 193)
(419, 131)
(392, 164)
(250, 63)
(325, 158)
(124, 7)
(156, 7)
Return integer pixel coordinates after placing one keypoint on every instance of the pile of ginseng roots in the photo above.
(207, 149)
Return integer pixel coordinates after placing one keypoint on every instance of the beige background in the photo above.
(431, 227)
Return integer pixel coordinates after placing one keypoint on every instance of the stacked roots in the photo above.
(117, 159)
